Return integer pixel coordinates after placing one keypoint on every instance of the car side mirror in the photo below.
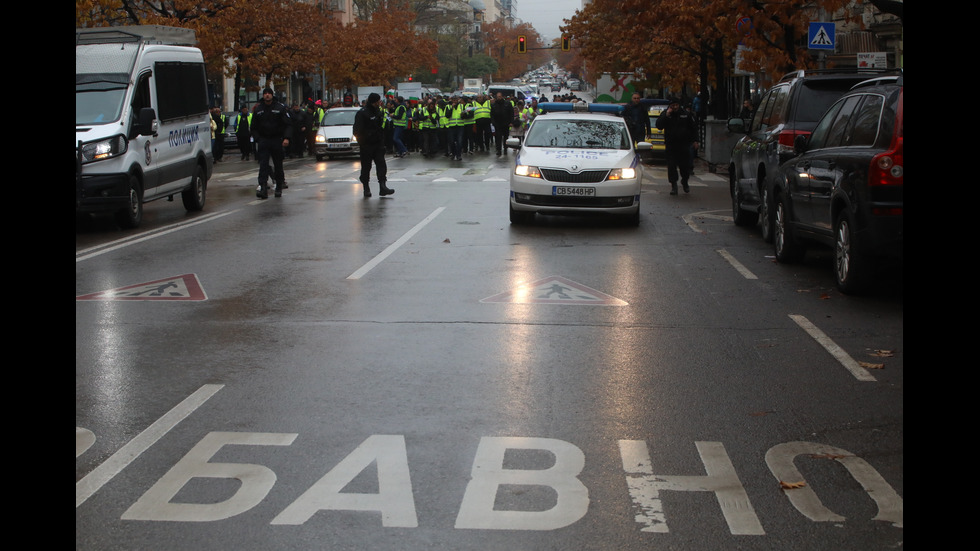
(799, 143)
(737, 126)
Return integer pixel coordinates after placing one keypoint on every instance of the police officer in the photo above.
(369, 124)
(680, 137)
(272, 130)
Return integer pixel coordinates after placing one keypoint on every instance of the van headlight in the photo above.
(622, 174)
(528, 171)
(104, 149)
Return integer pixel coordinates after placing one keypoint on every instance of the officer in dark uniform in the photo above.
(272, 130)
(369, 131)
(680, 134)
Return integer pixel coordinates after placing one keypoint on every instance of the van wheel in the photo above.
(131, 216)
(194, 195)
(319, 158)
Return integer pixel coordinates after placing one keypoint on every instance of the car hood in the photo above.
(340, 131)
(576, 160)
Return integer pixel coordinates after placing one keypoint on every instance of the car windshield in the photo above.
(816, 97)
(581, 134)
(338, 117)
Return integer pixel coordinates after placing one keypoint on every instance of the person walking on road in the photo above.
(502, 115)
(369, 131)
(637, 119)
(680, 138)
(272, 130)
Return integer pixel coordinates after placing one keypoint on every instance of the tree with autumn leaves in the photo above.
(501, 42)
(246, 40)
(691, 44)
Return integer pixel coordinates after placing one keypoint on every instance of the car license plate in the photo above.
(573, 190)
(337, 145)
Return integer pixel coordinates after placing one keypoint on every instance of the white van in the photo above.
(142, 127)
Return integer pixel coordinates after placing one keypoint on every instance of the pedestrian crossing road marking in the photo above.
(555, 290)
(182, 287)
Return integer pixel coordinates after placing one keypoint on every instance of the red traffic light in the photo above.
(521, 44)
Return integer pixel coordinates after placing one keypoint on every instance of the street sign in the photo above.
(822, 36)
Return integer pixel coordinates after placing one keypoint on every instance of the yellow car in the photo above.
(656, 139)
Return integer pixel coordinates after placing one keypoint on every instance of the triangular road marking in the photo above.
(556, 290)
(182, 287)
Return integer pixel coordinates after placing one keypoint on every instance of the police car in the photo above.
(576, 159)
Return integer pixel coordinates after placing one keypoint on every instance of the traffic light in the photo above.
(566, 43)
(522, 44)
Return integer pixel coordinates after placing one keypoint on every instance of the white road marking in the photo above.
(837, 352)
(363, 270)
(102, 474)
(737, 265)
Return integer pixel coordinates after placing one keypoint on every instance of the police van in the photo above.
(142, 127)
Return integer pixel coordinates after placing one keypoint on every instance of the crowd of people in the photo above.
(436, 125)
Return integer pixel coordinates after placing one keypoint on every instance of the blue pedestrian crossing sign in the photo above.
(822, 36)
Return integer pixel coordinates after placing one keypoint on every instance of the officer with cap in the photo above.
(272, 130)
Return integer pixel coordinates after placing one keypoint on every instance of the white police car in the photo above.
(576, 159)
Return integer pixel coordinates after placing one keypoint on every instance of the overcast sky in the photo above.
(547, 15)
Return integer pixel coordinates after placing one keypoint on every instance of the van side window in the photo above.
(774, 112)
(141, 99)
(761, 112)
(181, 90)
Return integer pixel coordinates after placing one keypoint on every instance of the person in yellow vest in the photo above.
(455, 116)
(481, 117)
(429, 126)
(469, 125)
(399, 120)
(243, 133)
(443, 109)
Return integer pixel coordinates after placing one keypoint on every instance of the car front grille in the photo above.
(574, 201)
(565, 177)
(338, 140)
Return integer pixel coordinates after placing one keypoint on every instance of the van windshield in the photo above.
(99, 98)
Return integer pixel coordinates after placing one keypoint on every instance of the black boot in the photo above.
(367, 190)
(385, 190)
(263, 192)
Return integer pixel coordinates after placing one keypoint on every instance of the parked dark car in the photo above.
(845, 187)
(790, 108)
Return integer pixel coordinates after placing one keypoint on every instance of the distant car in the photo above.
(574, 84)
(336, 134)
(845, 189)
(789, 109)
(576, 159)
(231, 123)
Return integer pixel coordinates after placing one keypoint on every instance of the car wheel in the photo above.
(765, 215)
(194, 196)
(132, 216)
(850, 266)
(520, 217)
(742, 217)
(784, 243)
(319, 158)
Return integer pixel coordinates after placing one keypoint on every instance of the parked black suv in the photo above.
(845, 187)
(789, 109)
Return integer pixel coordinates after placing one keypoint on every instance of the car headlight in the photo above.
(529, 171)
(104, 149)
(320, 139)
(622, 174)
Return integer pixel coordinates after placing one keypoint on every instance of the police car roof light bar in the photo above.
(581, 107)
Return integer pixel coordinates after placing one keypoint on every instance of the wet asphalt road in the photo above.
(324, 371)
